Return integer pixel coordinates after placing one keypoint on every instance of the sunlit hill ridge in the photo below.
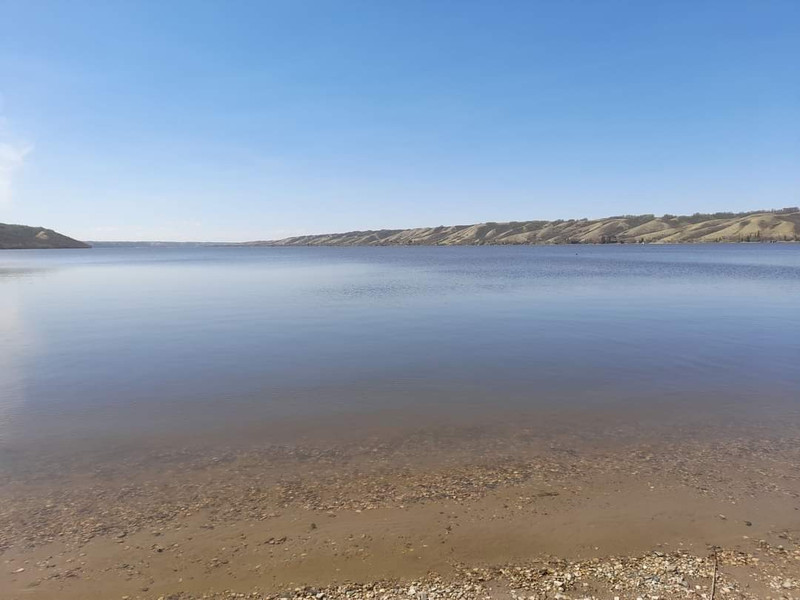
(760, 226)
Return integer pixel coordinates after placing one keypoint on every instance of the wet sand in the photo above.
(492, 510)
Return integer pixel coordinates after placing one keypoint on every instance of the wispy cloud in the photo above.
(12, 157)
(13, 153)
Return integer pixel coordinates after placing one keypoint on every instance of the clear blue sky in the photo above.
(237, 120)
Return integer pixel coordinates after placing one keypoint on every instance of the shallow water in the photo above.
(135, 341)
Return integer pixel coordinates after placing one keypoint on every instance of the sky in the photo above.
(234, 120)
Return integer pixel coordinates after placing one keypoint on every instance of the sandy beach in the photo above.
(493, 511)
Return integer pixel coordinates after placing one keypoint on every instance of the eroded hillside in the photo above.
(765, 226)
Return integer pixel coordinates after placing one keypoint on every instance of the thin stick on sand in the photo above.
(714, 578)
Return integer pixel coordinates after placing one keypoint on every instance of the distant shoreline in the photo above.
(781, 225)
(765, 226)
(96, 244)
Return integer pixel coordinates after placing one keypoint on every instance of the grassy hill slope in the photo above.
(18, 237)
(764, 226)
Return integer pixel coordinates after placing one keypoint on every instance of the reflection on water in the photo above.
(13, 340)
(122, 341)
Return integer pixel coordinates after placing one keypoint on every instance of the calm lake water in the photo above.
(132, 341)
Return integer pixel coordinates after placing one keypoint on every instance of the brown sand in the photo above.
(438, 512)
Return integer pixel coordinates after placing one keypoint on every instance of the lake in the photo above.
(126, 343)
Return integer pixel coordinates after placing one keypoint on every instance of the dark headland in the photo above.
(781, 225)
(22, 237)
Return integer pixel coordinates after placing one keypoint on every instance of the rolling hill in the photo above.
(758, 226)
(21, 237)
